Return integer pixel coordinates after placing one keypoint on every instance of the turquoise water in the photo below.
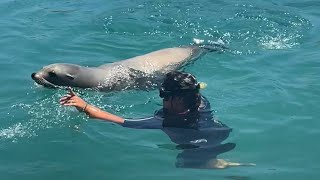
(266, 88)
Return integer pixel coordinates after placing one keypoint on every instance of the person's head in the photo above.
(180, 93)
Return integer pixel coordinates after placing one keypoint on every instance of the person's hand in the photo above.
(71, 99)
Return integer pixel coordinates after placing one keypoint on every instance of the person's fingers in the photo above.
(69, 104)
(71, 92)
(63, 102)
(68, 95)
(65, 98)
(71, 99)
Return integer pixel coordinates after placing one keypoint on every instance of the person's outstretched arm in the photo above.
(71, 99)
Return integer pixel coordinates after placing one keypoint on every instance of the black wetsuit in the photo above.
(200, 141)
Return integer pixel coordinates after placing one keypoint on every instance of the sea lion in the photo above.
(139, 72)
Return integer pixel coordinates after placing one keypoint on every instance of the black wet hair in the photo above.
(184, 85)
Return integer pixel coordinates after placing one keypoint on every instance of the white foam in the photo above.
(17, 130)
(278, 42)
(198, 41)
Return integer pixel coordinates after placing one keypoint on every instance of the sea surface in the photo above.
(267, 87)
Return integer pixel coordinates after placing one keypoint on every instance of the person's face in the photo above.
(174, 104)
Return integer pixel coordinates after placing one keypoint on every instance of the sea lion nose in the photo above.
(33, 75)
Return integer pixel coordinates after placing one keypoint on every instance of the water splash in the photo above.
(37, 116)
(45, 112)
(247, 28)
(15, 131)
(278, 42)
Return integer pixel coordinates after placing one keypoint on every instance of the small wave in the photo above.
(278, 42)
(44, 112)
(14, 132)
(245, 28)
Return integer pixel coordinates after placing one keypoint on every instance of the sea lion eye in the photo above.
(52, 74)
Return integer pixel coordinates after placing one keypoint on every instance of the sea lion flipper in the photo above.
(214, 47)
(70, 76)
(221, 164)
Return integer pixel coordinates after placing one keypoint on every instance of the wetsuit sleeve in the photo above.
(143, 123)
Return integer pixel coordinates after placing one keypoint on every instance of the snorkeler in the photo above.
(186, 117)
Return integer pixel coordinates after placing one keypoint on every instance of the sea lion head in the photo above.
(56, 75)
